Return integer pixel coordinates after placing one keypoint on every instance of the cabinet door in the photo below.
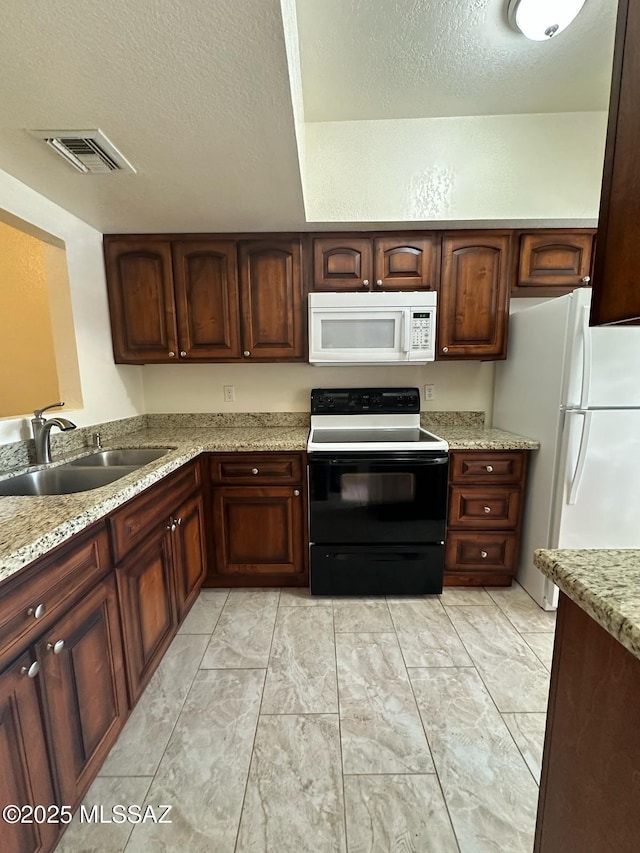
(474, 296)
(189, 553)
(147, 606)
(258, 530)
(616, 277)
(342, 263)
(273, 322)
(25, 778)
(141, 302)
(84, 687)
(553, 262)
(406, 263)
(207, 304)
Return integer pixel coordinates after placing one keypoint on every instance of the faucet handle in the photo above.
(38, 412)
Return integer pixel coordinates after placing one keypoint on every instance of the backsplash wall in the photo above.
(459, 386)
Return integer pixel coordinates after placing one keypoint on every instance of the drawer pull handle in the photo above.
(255, 471)
(484, 555)
(37, 612)
(56, 647)
(296, 492)
(487, 509)
(490, 468)
(32, 670)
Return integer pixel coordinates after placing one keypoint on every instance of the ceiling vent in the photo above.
(88, 151)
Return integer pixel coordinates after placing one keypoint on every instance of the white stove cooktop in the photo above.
(371, 432)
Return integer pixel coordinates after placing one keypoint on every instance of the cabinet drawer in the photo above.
(486, 467)
(480, 551)
(479, 506)
(33, 599)
(243, 468)
(133, 522)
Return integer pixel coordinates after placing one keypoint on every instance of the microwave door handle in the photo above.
(406, 330)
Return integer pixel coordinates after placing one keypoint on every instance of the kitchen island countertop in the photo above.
(32, 526)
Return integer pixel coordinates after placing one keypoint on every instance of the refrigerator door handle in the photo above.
(582, 456)
(586, 358)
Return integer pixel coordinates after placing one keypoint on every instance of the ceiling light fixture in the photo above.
(540, 20)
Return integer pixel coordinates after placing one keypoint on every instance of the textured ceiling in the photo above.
(196, 93)
(385, 59)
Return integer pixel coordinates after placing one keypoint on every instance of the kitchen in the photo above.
(112, 393)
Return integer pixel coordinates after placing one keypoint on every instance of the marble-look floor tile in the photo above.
(103, 836)
(397, 814)
(204, 770)
(490, 793)
(204, 614)
(426, 635)
(138, 750)
(522, 611)
(301, 678)
(514, 676)
(379, 722)
(361, 615)
(301, 597)
(542, 645)
(528, 732)
(294, 800)
(465, 595)
(242, 636)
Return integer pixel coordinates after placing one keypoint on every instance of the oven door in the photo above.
(384, 498)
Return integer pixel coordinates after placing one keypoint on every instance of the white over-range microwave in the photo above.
(372, 328)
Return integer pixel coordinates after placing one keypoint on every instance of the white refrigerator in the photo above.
(577, 390)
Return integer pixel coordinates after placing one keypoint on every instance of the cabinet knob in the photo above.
(56, 647)
(296, 492)
(178, 521)
(586, 279)
(489, 468)
(255, 471)
(379, 283)
(171, 526)
(484, 555)
(365, 283)
(32, 670)
(171, 354)
(246, 353)
(37, 612)
(183, 353)
(445, 349)
(487, 509)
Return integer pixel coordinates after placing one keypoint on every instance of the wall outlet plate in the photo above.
(429, 392)
(229, 393)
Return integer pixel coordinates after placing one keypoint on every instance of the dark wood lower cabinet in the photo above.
(189, 550)
(25, 774)
(82, 671)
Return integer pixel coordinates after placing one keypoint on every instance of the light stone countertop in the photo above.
(604, 583)
(31, 526)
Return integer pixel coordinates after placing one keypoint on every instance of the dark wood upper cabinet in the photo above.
(141, 302)
(273, 319)
(390, 262)
(551, 263)
(207, 303)
(474, 295)
(616, 278)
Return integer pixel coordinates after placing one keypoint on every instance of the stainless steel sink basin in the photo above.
(127, 456)
(63, 480)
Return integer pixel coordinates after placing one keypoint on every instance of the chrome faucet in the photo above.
(42, 431)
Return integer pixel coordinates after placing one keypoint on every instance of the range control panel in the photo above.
(421, 330)
(356, 401)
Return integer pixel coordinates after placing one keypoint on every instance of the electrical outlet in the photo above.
(429, 392)
(229, 392)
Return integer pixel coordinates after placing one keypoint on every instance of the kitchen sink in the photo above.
(127, 456)
(64, 480)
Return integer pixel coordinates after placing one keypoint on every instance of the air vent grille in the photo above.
(88, 151)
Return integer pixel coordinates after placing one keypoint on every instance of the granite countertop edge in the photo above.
(605, 583)
(32, 526)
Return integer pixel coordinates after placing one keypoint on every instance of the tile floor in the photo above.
(283, 723)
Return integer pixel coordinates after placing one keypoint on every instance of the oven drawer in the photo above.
(479, 506)
(255, 468)
(480, 551)
(480, 466)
